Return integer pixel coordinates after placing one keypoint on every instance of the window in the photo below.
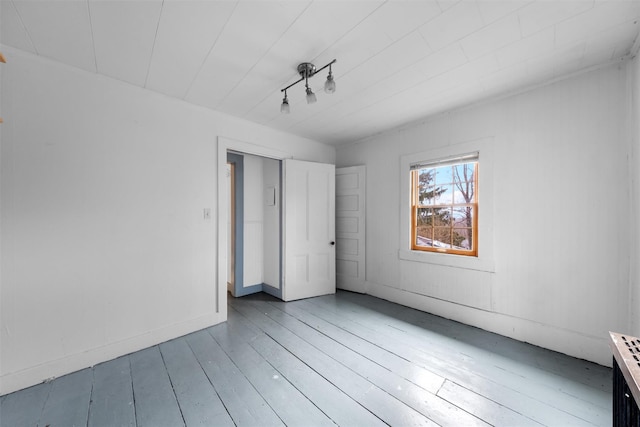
(444, 205)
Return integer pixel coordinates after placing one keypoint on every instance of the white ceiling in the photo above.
(397, 61)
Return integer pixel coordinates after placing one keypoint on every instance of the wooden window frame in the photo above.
(473, 252)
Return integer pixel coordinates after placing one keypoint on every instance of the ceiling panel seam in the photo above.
(359, 66)
(93, 40)
(347, 72)
(317, 56)
(153, 48)
(206, 57)
(353, 28)
(260, 59)
(397, 60)
(26, 30)
(417, 85)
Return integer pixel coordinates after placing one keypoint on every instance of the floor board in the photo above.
(155, 400)
(198, 400)
(288, 402)
(344, 359)
(112, 397)
(405, 392)
(515, 382)
(326, 396)
(68, 400)
(245, 404)
(367, 394)
(483, 407)
(24, 408)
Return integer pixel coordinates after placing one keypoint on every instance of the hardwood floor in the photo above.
(344, 359)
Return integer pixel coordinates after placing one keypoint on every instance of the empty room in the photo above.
(310, 213)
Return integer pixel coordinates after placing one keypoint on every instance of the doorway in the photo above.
(305, 252)
(254, 225)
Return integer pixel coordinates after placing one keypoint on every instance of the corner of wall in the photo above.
(532, 284)
(634, 184)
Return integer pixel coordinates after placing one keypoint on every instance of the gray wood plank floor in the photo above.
(344, 359)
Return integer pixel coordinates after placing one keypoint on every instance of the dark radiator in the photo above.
(626, 380)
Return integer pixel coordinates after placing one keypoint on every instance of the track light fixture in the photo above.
(307, 70)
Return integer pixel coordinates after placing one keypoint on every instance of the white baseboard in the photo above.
(572, 343)
(14, 381)
(350, 284)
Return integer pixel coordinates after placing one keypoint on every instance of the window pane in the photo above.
(464, 192)
(442, 216)
(426, 186)
(424, 241)
(424, 227)
(464, 172)
(462, 238)
(427, 197)
(444, 175)
(463, 216)
(442, 237)
(464, 183)
(426, 177)
(424, 217)
(444, 195)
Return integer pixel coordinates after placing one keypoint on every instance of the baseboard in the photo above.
(350, 284)
(276, 292)
(247, 290)
(572, 343)
(14, 381)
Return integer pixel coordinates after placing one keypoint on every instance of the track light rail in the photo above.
(304, 76)
(306, 70)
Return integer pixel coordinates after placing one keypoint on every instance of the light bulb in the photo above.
(311, 97)
(330, 84)
(284, 108)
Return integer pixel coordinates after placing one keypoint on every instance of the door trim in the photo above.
(232, 225)
(354, 217)
(237, 161)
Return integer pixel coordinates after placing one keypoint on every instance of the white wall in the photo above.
(634, 167)
(558, 216)
(271, 241)
(105, 249)
(253, 221)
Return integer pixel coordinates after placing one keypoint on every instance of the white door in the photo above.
(309, 262)
(350, 228)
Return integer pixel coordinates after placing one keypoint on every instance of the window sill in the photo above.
(448, 260)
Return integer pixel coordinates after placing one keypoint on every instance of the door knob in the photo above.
(332, 243)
